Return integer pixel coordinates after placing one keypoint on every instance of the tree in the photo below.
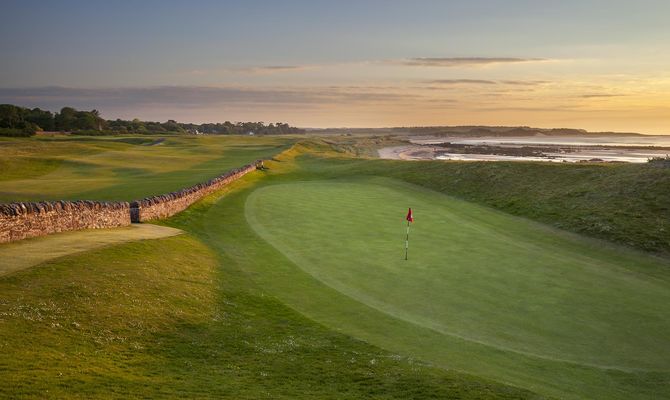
(10, 116)
(65, 119)
(43, 119)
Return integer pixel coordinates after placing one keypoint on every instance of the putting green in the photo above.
(475, 274)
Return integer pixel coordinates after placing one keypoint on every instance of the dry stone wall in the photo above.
(165, 205)
(25, 220)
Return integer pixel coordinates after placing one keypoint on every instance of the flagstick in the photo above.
(407, 241)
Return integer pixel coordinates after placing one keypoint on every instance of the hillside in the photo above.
(468, 131)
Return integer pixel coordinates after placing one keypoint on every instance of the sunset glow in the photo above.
(597, 65)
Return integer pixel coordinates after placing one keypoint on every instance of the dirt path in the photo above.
(27, 253)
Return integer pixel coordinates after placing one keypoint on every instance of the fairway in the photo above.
(120, 168)
(507, 287)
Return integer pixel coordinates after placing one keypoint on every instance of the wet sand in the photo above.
(554, 150)
(409, 152)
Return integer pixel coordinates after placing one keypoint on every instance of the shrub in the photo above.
(660, 161)
(15, 132)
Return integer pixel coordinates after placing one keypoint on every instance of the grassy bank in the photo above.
(624, 203)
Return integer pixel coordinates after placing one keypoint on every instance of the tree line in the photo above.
(21, 121)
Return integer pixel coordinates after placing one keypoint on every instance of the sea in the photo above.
(614, 148)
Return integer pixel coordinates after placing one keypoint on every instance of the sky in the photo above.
(601, 65)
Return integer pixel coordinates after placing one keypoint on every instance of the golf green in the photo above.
(474, 274)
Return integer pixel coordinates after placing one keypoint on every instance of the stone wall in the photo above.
(25, 220)
(165, 205)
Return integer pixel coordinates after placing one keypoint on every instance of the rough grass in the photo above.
(18, 167)
(624, 203)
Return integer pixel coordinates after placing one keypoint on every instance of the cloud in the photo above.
(271, 69)
(461, 81)
(599, 95)
(259, 70)
(281, 67)
(420, 62)
(464, 61)
(437, 83)
(528, 109)
(129, 98)
(525, 83)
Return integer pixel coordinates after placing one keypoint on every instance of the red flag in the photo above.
(410, 217)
